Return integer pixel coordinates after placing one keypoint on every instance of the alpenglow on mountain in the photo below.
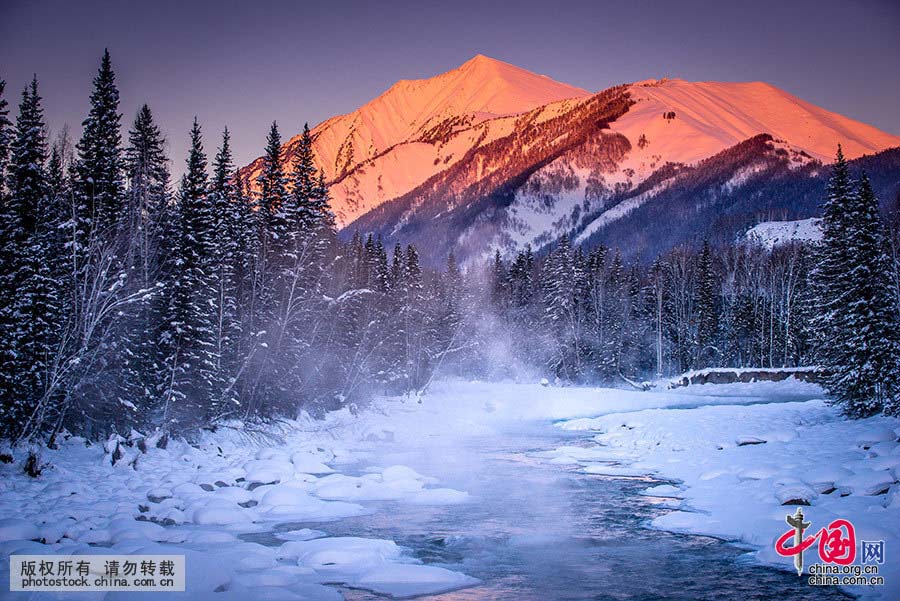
(491, 156)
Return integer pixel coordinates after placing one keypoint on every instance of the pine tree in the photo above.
(29, 302)
(862, 337)
(147, 175)
(827, 280)
(188, 382)
(499, 283)
(706, 307)
(5, 139)
(304, 217)
(143, 232)
(563, 311)
(246, 224)
(274, 230)
(272, 194)
(227, 263)
(309, 221)
(616, 316)
(416, 322)
(99, 185)
(397, 267)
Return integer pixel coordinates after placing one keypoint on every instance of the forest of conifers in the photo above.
(128, 301)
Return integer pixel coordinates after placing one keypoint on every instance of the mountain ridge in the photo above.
(485, 143)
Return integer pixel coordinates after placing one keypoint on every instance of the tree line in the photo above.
(130, 303)
(586, 316)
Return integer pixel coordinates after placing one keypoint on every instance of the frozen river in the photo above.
(536, 530)
(497, 482)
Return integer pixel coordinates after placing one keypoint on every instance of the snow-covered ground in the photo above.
(740, 469)
(773, 233)
(736, 452)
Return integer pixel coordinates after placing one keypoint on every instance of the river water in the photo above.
(539, 531)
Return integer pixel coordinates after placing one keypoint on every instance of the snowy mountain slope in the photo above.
(491, 156)
(419, 127)
(712, 116)
(675, 123)
(708, 201)
(773, 233)
(463, 208)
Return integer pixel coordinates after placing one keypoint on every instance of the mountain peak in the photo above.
(481, 61)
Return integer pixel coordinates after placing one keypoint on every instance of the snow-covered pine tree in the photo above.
(99, 186)
(303, 187)
(499, 283)
(616, 317)
(227, 262)
(273, 231)
(307, 214)
(5, 138)
(321, 204)
(397, 263)
(272, 194)
(415, 321)
(143, 231)
(831, 255)
(188, 382)
(29, 293)
(381, 274)
(562, 314)
(864, 346)
(448, 317)
(147, 175)
(246, 222)
(520, 279)
(706, 310)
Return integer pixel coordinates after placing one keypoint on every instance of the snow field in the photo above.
(199, 500)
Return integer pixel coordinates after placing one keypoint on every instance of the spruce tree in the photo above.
(706, 309)
(99, 184)
(827, 276)
(5, 138)
(305, 217)
(147, 175)
(274, 238)
(189, 381)
(397, 267)
(29, 302)
(272, 194)
(863, 342)
(228, 266)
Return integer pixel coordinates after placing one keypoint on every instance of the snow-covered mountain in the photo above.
(418, 128)
(489, 155)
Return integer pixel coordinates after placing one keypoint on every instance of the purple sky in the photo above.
(246, 63)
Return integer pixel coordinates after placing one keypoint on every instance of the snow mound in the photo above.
(403, 580)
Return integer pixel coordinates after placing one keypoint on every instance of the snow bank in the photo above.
(740, 468)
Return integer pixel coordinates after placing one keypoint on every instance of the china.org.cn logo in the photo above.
(837, 550)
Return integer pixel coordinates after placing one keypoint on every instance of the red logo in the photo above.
(837, 541)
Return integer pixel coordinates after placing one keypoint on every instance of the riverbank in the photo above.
(741, 468)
